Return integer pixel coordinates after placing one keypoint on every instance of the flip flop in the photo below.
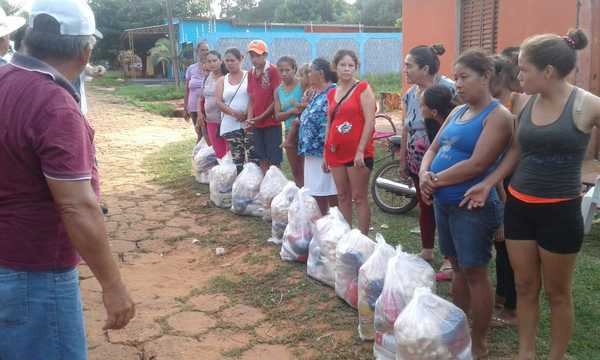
(497, 321)
(443, 276)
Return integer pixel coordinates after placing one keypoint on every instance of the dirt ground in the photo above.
(152, 237)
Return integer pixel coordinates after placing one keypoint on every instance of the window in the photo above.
(479, 24)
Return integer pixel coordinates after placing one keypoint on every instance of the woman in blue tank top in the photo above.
(543, 222)
(462, 154)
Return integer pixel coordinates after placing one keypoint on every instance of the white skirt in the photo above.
(316, 181)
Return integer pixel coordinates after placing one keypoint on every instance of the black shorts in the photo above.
(369, 162)
(267, 144)
(556, 227)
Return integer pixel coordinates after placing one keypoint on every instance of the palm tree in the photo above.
(161, 53)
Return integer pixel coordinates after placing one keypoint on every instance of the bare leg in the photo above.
(359, 183)
(525, 259)
(460, 290)
(323, 202)
(482, 303)
(557, 272)
(344, 191)
(296, 164)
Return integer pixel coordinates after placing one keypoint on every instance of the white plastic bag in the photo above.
(303, 213)
(245, 188)
(431, 328)
(329, 230)
(279, 212)
(271, 185)
(221, 179)
(405, 273)
(203, 159)
(351, 253)
(370, 285)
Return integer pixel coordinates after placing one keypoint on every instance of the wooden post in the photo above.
(175, 60)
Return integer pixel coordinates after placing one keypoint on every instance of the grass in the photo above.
(150, 98)
(286, 294)
(391, 82)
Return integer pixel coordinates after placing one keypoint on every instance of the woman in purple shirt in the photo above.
(195, 76)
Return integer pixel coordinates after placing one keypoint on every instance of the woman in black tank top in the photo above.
(543, 223)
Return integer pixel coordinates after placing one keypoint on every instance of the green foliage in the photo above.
(150, 92)
(115, 16)
(379, 12)
(8, 8)
(369, 12)
(391, 82)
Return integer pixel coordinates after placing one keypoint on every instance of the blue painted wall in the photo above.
(380, 53)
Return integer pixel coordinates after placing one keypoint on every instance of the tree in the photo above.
(115, 16)
(8, 8)
(379, 12)
(288, 11)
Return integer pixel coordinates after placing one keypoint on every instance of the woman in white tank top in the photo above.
(232, 99)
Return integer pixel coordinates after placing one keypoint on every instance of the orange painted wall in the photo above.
(427, 22)
(518, 19)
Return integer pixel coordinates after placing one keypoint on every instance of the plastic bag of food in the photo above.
(404, 274)
(370, 285)
(271, 185)
(351, 253)
(245, 188)
(203, 159)
(328, 232)
(432, 328)
(221, 179)
(298, 233)
(279, 212)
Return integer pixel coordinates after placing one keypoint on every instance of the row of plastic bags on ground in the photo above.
(392, 290)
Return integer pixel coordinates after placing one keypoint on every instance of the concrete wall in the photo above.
(379, 53)
(428, 22)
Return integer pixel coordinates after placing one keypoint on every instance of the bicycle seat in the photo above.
(396, 140)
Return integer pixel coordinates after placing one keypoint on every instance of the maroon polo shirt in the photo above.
(42, 135)
(261, 90)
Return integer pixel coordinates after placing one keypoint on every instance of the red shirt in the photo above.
(261, 90)
(346, 129)
(42, 135)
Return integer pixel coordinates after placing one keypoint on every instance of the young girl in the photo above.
(421, 69)
(208, 103)
(288, 97)
(349, 151)
(436, 105)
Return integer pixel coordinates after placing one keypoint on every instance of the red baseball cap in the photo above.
(258, 46)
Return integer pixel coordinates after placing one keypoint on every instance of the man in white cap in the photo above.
(8, 25)
(49, 193)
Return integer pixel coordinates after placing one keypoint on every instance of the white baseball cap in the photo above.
(74, 16)
(9, 24)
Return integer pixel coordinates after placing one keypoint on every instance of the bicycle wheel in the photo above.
(389, 201)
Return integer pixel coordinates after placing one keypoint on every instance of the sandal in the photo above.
(498, 321)
(445, 273)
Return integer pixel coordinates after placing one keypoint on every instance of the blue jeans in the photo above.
(467, 235)
(41, 316)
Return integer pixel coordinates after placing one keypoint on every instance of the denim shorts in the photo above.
(267, 144)
(41, 315)
(467, 235)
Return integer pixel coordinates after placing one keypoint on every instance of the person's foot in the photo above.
(445, 273)
(499, 302)
(427, 255)
(480, 352)
(504, 318)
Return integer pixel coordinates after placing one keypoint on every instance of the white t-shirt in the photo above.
(239, 102)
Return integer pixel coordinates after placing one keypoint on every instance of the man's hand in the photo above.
(119, 307)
